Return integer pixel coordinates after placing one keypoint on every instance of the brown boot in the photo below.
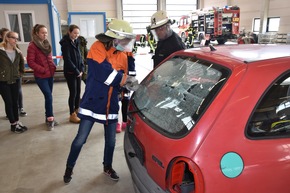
(74, 119)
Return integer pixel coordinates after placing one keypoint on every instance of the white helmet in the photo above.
(120, 29)
(159, 18)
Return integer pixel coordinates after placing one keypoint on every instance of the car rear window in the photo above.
(271, 118)
(174, 96)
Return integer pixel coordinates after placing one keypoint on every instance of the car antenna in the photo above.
(212, 48)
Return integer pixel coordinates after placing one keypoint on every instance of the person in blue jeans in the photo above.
(46, 87)
(39, 58)
(107, 73)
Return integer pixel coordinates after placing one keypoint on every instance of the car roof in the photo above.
(248, 52)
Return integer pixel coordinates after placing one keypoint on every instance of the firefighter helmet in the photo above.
(119, 29)
(159, 18)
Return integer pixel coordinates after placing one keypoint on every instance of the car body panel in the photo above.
(221, 129)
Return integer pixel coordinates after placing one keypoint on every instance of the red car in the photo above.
(213, 120)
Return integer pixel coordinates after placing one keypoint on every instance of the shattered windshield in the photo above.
(174, 96)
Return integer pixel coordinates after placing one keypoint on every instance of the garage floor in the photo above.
(34, 161)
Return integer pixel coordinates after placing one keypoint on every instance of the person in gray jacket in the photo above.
(12, 65)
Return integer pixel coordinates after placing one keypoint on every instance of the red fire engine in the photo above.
(218, 24)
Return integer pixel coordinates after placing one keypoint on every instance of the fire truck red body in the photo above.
(216, 23)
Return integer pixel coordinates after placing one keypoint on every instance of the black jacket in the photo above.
(166, 47)
(73, 62)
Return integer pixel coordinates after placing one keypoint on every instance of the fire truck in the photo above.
(216, 23)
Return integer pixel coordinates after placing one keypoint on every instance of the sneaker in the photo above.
(55, 122)
(22, 126)
(17, 129)
(109, 171)
(119, 128)
(50, 125)
(124, 126)
(22, 113)
(67, 175)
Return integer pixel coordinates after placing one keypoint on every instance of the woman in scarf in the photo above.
(39, 58)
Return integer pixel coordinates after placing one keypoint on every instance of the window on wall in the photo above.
(88, 27)
(256, 25)
(139, 13)
(176, 9)
(272, 24)
(20, 22)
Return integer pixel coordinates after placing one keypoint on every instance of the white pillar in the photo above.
(69, 8)
(264, 15)
(119, 9)
(161, 4)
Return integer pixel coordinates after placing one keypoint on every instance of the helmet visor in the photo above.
(125, 44)
(161, 33)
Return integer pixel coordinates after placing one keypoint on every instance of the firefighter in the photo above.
(167, 40)
(151, 40)
(107, 74)
(143, 40)
(190, 37)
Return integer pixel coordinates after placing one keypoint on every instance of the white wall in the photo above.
(249, 9)
(108, 6)
(40, 14)
(62, 8)
(281, 8)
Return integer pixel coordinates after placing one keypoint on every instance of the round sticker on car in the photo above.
(231, 165)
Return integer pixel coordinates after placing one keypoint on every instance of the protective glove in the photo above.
(131, 83)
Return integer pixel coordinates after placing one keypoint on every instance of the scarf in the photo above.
(44, 46)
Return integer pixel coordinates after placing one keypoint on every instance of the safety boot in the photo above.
(74, 118)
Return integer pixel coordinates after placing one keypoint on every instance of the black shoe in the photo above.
(22, 113)
(67, 175)
(109, 171)
(22, 126)
(18, 129)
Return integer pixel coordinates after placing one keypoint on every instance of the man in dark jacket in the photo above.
(168, 40)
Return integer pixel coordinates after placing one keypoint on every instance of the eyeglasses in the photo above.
(15, 38)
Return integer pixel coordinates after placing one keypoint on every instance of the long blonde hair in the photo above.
(5, 41)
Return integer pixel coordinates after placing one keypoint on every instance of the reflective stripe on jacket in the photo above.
(105, 72)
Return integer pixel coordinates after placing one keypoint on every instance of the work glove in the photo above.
(131, 83)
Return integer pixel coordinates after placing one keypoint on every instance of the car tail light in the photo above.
(184, 176)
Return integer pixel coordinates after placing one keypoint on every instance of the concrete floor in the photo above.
(34, 161)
